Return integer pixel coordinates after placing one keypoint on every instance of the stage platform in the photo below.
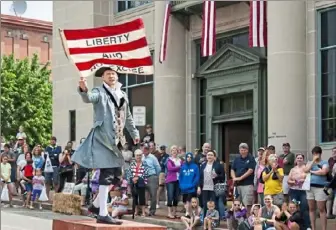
(80, 224)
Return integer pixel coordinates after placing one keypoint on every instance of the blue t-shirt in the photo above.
(317, 179)
(241, 165)
(38, 162)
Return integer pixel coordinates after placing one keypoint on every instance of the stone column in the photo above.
(170, 82)
(286, 74)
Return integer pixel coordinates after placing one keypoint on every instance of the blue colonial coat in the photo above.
(99, 150)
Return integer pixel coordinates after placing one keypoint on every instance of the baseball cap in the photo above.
(261, 148)
(243, 146)
(163, 147)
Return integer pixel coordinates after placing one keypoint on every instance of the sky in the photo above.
(41, 10)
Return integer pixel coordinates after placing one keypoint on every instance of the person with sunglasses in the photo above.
(188, 181)
(236, 215)
(267, 215)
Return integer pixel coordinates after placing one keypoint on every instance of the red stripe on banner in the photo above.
(130, 63)
(163, 47)
(209, 28)
(105, 31)
(142, 42)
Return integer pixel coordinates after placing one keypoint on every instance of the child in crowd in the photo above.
(236, 215)
(119, 200)
(194, 219)
(211, 219)
(254, 217)
(28, 174)
(38, 185)
(21, 133)
(94, 183)
(6, 177)
(290, 217)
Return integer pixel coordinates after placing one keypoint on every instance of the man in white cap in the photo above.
(102, 147)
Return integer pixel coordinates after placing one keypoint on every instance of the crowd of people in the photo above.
(268, 190)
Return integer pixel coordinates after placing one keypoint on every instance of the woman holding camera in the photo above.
(66, 169)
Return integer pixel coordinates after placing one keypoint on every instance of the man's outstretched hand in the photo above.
(82, 84)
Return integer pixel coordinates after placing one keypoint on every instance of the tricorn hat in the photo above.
(101, 71)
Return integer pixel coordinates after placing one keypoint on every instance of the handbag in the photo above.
(65, 169)
(48, 167)
(43, 197)
(5, 193)
(220, 189)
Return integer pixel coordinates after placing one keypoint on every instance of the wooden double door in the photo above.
(234, 133)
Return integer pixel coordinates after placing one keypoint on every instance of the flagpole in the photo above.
(65, 46)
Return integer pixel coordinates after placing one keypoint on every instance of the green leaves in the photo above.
(26, 99)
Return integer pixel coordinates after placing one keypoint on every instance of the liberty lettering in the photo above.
(113, 40)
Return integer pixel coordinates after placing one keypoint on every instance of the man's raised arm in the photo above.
(87, 97)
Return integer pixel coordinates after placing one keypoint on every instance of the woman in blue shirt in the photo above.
(318, 169)
(38, 160)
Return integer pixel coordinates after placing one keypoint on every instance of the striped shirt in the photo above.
(137, 170)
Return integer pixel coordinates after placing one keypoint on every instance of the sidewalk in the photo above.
(160, 217)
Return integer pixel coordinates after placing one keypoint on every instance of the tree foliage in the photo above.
(26, 99)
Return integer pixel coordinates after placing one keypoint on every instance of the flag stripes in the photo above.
(165, 29)
(258, 24)
(208, 45)
(122, 47)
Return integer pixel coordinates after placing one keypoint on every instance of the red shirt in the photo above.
(28, 171)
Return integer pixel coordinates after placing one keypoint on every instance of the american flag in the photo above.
(208, 47)
(121, 47)
(258, 24)
(163, 47)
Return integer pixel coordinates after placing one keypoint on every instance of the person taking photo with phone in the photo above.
(318, 169)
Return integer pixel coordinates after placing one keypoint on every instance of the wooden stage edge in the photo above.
(80, 224)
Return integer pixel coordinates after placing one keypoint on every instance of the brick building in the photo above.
(23, 37)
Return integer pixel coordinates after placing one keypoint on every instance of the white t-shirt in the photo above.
(38, 182)
(21, 164)
(208, 184)
(20, 158)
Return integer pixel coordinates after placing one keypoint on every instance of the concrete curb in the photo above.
(171, 225)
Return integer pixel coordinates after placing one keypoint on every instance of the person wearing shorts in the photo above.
(242, 172)
(162, 158)
(52, 178)
(188, 181)
(287, 162)
(316, 196)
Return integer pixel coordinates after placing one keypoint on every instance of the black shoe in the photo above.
(107, 220)
(93, 209)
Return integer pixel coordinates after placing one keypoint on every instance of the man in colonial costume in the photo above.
(102, 148)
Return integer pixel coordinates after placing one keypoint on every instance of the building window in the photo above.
(236, 103)
(72, 121)
(126, 5)
(139, 89)
(327, 72)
